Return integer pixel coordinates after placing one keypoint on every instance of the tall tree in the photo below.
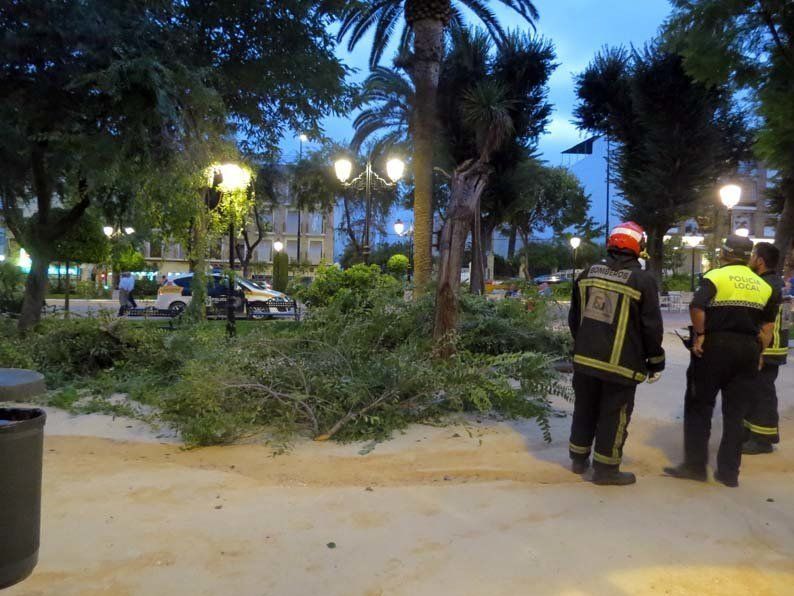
(543, 197)
(421, 49)
(750, 44)
(102, 99)
(675, 136)
(494, 106)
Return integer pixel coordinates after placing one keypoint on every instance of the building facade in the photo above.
(281, 225)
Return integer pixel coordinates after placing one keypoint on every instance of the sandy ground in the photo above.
(480, 508)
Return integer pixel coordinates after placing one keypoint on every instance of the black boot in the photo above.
(753, 447)
(730, 481)
(612, 477)
(580, 466)
(687, 472)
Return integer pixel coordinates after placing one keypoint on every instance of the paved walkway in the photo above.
(474, 509)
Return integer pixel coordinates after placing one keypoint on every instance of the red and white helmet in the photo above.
(627, 236)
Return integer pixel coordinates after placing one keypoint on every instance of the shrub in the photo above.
(354, 286)
(398, 265)
(351, 374)
(677, 283)
(12, 286)
(280, 271)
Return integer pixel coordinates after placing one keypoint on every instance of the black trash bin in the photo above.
(21, 441)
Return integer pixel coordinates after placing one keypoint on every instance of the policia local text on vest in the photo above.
(731, 311)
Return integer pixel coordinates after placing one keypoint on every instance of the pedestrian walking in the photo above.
(617, 327)
(126, 287)
(732, 320)
(761, 422)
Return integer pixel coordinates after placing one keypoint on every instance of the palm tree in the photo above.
(421, 45)
(389, 97)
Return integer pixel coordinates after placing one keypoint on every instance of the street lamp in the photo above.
(278, 246)
(743, 232)
(366, 180)
(229, 177)
(730, 195)
(575, 243)
(692, 241)
(399, 229)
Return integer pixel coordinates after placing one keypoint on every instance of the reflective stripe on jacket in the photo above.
(777, 351)
(616, 321)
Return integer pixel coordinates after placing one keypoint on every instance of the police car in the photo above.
(257, 299)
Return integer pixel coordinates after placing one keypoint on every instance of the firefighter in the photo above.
(617, 327)
(761, 422)
(732, 319)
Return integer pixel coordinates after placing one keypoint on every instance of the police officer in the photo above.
(732, 318)
(617, 327)
(761, 422)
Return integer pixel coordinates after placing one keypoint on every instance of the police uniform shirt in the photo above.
(737, 317)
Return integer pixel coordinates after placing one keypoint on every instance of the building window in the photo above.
(2, 241)
(315, 252)
(316, 223)
(291, 226)
(267, 221)
(155, 250)
(264, 252)
(292, 250)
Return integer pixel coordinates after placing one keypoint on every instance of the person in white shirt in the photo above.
(126, 287)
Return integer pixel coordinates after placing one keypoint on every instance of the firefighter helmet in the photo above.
(627, 236)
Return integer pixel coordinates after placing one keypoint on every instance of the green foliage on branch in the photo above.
(398, 265)
(359, 366)
(12, 285)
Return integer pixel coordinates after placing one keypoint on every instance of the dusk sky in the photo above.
(578, 29)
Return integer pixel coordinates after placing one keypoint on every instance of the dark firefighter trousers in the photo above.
(729, 365)
(761, 422)
(602, 411)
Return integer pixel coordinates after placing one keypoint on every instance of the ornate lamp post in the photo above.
(575, 243)
(730, 195)
(229, 178)
(366, 180)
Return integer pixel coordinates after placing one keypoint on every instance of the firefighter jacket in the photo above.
(616, 321)
(777, 351)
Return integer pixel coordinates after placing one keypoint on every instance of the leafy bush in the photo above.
(351, 374)
(360, 365)
(508, 326)
(280, 271)
(354, 285)
(677, 283)
(90, 289)
(398, 265)
(562, 290)
(12, 286)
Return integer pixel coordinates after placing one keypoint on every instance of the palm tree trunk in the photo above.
(511, 244)
(425, 67)
(477, 277)
(468, 183)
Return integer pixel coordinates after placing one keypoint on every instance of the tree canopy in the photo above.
(106, 102)
(675, 136)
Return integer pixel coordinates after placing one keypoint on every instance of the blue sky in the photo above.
(578, 29)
